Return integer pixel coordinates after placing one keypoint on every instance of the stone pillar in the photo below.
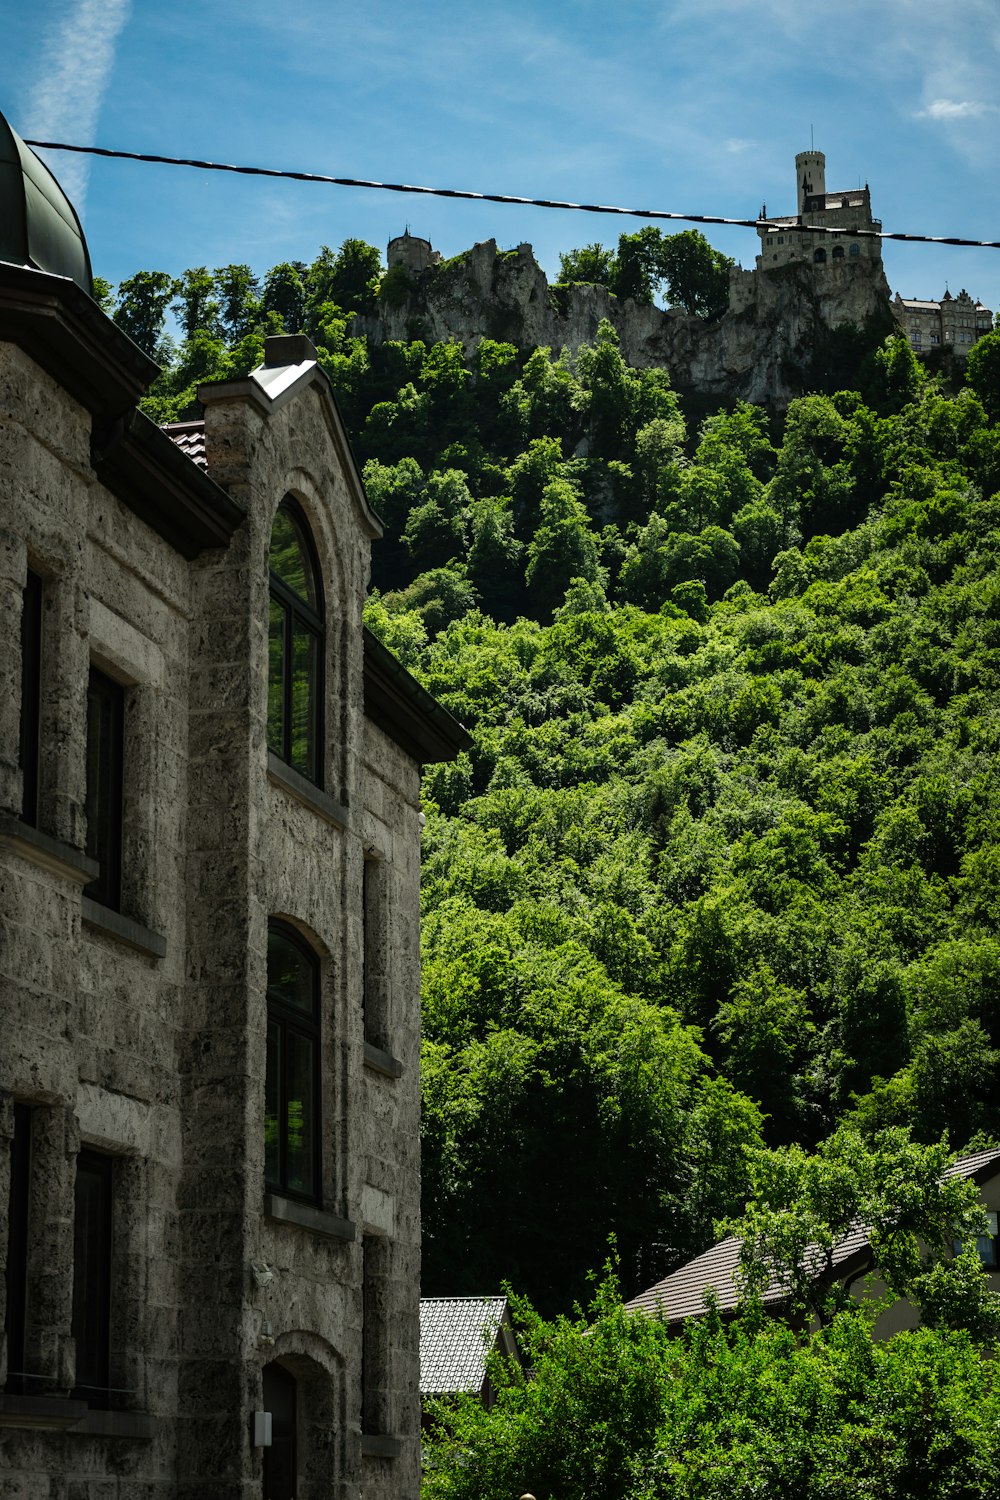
(13, 573)
(48, 1343)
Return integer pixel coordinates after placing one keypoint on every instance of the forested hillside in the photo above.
(724, 864)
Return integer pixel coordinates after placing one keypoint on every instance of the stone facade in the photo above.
(411, 252)
(136, 1042)
(954, 323)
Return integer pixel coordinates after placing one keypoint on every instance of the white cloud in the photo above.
(78, 55)
(955, 109)
(736, 145)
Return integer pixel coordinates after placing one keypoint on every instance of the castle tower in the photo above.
(810, 177)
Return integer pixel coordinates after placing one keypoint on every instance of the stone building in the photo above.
(411, 252)
(209, 871)
(784, 242)
(954, 323)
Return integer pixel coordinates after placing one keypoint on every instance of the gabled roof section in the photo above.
(681, 1295)
(152, 475)
(457, 1336)
(291, 367)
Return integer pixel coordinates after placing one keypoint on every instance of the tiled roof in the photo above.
(456, 1336)
(190, 439)
(682, 1294)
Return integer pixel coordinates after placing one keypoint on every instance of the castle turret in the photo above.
(810, 177)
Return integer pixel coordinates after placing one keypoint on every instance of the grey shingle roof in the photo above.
(682, 1294)
(456, 1336)
(190, 439)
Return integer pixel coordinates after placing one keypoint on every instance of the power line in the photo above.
(585, 208)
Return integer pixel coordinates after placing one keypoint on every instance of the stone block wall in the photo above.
(140, 1034)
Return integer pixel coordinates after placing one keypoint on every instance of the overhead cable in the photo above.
(792, 227)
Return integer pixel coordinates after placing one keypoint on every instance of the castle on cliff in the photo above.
(803, 238)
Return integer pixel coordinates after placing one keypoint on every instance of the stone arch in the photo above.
(838, 252)
(819, 256)
(318, 1372)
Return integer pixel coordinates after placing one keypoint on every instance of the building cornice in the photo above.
(66, 333)
(407, 712)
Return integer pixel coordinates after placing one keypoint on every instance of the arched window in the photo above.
(295, 646)
(291, 1095)
(838, 252)
(819, 256)
(855, 250)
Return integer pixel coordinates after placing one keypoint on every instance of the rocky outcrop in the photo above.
(766, 352)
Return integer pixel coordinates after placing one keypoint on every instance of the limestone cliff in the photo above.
(765, 352)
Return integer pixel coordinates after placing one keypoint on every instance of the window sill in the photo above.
(42, 849)
(382, 1062)
(132, 934)
(279, 773)
(304, 1216)
(116, 1424)
(380, 1445)
(51, 1412)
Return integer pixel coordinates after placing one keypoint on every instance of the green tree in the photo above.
(696, 275)
(982, 371)
(141, 309)
(563, 548)
(802, 1207)
(591, 263)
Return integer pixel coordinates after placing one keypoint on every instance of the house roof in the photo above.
(190, 439)
(681, 1295)
(457, 1334)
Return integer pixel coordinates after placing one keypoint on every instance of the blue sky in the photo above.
(690, 105)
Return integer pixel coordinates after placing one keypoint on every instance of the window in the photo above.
(291, 1102)
(854, 250)
(15, 1322)
(295, 646)
(92, 1276)
(838, 252)
(935, 338)
(819, 256)
(986, 1244)
(375, 993)
(31, 695)
(105, 755)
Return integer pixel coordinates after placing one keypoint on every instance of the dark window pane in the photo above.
(289, 557)
(279, 1460)
(105, 733)
(92, 1274)
(300, 1070)
(31, 695)
(295, 656)
(276, 678)
(291, 974)
(17, 1248)
(272, 1106)
(303, 707)
(291, 1102)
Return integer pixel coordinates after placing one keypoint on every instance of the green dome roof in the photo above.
(38, 224)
